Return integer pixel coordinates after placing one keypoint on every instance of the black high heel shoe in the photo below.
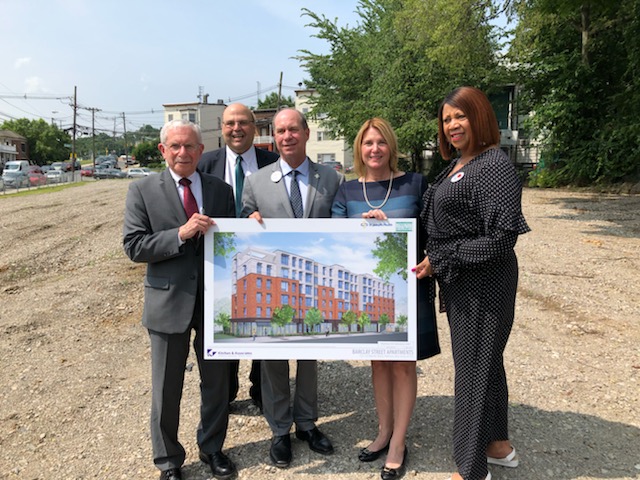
(395, 473)
(367, 455)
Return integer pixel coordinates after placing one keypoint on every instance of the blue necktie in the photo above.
(239, 184)
(294, 196)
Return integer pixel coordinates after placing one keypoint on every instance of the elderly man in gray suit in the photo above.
(165, 218)
(292, 187)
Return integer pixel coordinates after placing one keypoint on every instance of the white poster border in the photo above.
(346, 235)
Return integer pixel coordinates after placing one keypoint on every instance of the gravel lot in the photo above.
(75, 360)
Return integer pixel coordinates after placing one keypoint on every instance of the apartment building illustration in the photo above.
(264, 280)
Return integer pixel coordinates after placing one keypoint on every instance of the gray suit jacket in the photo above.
(153, 215)
(271, 199)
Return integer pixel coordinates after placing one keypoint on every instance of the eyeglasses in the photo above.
(240, 123)
(176, 147)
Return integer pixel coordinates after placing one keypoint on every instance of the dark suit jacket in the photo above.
(153, 215)
(271, 199)
(213, 162)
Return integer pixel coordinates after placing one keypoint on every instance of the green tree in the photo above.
(364, 320)
(349, 318)
(106, 144)
(46, 142)
(383, 321)
(224, 320)
(402, 320)
(282, 316)
(313, 317)
(272, 100)
(583, 89)
(399, 62)
(224, 244)
(147, 153)
(391, 252)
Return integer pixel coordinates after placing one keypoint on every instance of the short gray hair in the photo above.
(180, 122)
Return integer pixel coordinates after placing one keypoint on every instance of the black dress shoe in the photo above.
(367, 455)
(221, 466)
(318, 442)
(395, 473)
(171, 474)
(280, 451)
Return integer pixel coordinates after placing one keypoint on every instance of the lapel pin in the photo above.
(276, 176)
(457, 177)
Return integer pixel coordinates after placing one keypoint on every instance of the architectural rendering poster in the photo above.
(333, 289)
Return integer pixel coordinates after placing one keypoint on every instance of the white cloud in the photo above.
(21, 61)
(34, 85)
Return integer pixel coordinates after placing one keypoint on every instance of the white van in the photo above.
(15, 174)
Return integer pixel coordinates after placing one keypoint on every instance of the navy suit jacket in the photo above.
(214, 162)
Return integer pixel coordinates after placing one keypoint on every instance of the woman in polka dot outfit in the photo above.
(472, 215)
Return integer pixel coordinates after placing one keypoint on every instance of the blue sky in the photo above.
(134, 56)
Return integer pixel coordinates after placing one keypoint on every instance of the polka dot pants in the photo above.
(480, 309)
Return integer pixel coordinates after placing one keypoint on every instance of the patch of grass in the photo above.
(40, 190)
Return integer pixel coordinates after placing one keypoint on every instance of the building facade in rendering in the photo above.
(263, 280)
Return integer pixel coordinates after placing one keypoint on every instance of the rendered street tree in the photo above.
(364, 320)
(349, 318)
(224, 320)
(313, 317)
(282, 316)
(383, 321)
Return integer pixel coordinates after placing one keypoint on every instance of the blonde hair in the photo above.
(389, 136)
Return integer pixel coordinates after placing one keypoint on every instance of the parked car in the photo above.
(36, 177)
(87, 171)
(335, 165)
(63, 166)
(54, 176)
(16, 174)
(109, 173)
(140, 172)
(103, 158)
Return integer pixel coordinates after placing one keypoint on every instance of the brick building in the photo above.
(262, 281)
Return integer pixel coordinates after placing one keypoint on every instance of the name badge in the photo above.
(457, 177)
(276, 177)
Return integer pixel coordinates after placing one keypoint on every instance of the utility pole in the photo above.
(124, 125)
(279, 91)
(93, 135)
(73, 143)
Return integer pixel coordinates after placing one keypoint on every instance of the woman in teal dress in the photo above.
(381, 192)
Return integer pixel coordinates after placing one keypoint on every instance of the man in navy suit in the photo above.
(165, 218)
(233, 164)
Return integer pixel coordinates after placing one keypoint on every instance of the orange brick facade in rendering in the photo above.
(265, 280)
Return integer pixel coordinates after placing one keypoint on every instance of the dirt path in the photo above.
(75, 360)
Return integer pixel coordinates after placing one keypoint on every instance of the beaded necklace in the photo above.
(386, 197)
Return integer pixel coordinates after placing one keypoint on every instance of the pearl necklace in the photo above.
(386, 197)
